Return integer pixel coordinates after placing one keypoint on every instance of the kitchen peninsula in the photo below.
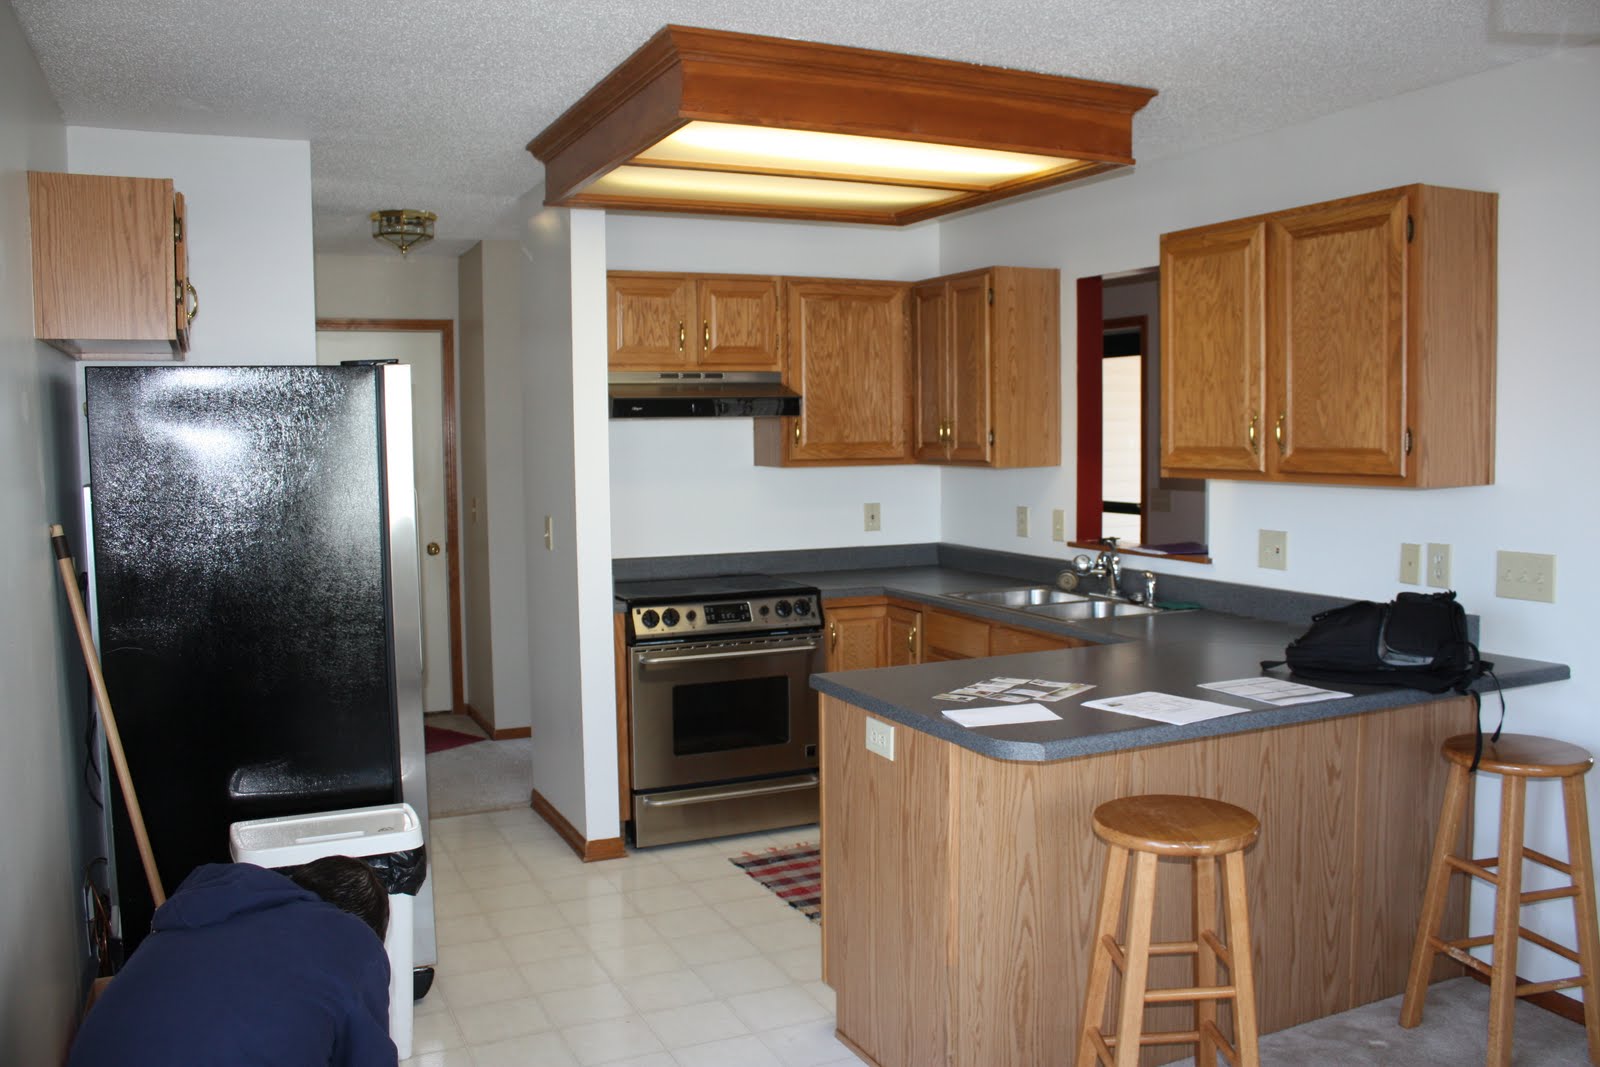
(960, 877)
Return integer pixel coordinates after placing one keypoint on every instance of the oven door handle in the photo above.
(789, 785)
(651, 661)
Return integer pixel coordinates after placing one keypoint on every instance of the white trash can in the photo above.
(366, 833)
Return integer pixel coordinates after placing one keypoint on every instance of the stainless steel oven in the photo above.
(722, 718)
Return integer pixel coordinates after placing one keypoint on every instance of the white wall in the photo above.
(690, 485)
(249, 208)
(386, 285)
(573, 710)
(43, 954)
(1525, 131)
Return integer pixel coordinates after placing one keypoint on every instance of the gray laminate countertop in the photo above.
(1171, 652)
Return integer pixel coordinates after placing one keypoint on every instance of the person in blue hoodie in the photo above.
(248, 966)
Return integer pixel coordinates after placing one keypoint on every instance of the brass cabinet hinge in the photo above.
(1408, 440)
(1411, 229)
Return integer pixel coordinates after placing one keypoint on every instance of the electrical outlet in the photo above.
(880, 738)
(1022, 520)
(1525, 576)
(1273, 551)
(872, 517)
(1439, 566)
(1410, 564)
(1058, 525)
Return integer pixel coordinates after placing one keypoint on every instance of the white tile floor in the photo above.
(672, 957)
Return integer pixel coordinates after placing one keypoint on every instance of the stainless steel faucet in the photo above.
(1109, 566)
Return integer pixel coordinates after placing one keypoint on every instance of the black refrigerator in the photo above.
(255, 592)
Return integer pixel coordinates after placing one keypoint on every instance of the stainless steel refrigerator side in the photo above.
(405, 592)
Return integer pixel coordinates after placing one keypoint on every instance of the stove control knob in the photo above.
(782, 608)
(649, 619)
(802, 607)
(764, 611)
(690, 616)
(670, 617)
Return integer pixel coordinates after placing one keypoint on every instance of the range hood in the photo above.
(700, 394)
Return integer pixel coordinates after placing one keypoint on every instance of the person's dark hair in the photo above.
(347, 884)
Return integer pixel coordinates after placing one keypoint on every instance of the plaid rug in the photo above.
(794, 873)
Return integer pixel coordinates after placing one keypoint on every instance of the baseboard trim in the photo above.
(853, 1047)
(486, 724)
(1553, 1002)
(605, 848)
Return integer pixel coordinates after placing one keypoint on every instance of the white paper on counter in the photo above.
(1012, 713)
(1270, 690)
(1163, 707)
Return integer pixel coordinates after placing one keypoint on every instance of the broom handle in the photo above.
(80, 618)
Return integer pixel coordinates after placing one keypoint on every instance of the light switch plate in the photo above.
(1525, 576)
(872, 517)
(1273, 551)
(1022, 520)
(1410, 564)
(880, 738)
(1058, 525)
(1439, 566)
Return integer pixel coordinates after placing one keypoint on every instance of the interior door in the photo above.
(423, 352)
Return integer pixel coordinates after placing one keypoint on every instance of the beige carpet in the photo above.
(1454, 1033)
(488, 776)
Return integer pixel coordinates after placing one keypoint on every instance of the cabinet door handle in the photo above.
(193, 308)
(1255, 446)
(833, 637)
(1277, 431)
(797, 431)
(681, 335)
(911, 641)
(707, 335)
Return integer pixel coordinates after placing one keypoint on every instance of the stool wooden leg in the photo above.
(1581, 857)
(1094, 1005)
(1205, 961)
(1246, 1031)
(1451, 816)
(1507, 920)
(1136, 972)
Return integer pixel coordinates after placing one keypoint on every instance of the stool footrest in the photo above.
(1211, 1031)
(1548, 861)
(1174, 948)
(1553, 946)
(1528, 989)
(1476, 868)
(1218, 949)
(1102, 1049)
(1166, 1037)
(1114, 950)
(1466, 959)
(1209, 992)
(1549, 894)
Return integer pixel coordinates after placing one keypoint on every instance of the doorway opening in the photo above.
(1121, 492)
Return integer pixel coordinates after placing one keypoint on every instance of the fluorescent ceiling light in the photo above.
(759, 189)
(764, 148)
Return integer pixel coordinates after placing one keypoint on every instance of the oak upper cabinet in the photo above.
(110, 266)
(676, 322)
(988, 359)
(856, 637)
(1348, 342)
(904, 632)
(847, 354)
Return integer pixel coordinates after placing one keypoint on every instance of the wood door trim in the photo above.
(1091, 347)
(446, 329)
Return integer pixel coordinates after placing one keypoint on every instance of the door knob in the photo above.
(433, 548)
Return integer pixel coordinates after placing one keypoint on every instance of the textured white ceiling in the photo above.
(428, 103)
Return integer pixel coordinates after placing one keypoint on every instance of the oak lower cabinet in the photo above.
(677, 322)
(847, 354)
(904, 630)
(988, 359)
(110, 266)
(867, 632)
(856, 635)
(1349, 342)
(951, 635)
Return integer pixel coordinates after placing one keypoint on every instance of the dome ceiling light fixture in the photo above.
(711, 122)
(403, 227)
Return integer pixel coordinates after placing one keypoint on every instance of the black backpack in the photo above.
(1418, 641)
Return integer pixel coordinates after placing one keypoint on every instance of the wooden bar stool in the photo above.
(1190, 827)
(1516, 757)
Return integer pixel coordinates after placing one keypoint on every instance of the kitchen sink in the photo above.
(1089, 608)
(1026, 599)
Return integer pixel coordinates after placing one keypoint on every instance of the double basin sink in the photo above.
(1055, 604)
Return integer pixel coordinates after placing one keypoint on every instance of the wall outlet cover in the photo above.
(1273, 550)
(1022, 520)
(880, 738)
(1410, 564)
(1058, 525)
(1439, 566)
(1525, 576)
(871, 517)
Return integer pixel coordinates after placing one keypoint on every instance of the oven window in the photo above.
(724, 716)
